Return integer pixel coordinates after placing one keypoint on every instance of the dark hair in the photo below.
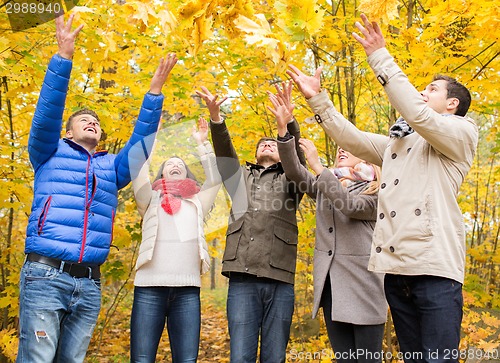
(458, 91)
(83, 111)
(261, 140)
(189, 173)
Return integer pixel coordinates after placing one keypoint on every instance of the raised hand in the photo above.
(311, 154)
(280, 112)
(212, 104)
(200, 134)
(285, 94)
(162, 72)
(65, 37)
(373, 38)
(309, 86)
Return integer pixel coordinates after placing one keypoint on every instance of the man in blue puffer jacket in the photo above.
(75, 198)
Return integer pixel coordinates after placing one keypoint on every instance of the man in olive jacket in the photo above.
(261, 243)
(419, 237)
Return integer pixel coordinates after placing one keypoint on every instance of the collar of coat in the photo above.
(252, 166)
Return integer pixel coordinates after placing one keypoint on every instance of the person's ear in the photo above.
(452, 103)
(69, 134)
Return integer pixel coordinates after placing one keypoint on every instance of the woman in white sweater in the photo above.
(172, 255)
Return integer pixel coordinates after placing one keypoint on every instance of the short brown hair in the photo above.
(83, 111)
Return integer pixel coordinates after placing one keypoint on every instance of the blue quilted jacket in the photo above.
(75, 192)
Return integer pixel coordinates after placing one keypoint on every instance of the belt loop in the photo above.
(90, 272)
(61, 268)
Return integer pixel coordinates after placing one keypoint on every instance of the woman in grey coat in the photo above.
(352, 297)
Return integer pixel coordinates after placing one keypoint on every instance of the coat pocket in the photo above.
(233, 236)
(284, 248)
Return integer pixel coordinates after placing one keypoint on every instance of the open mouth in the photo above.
(90, 128)
(175, 172)
(342, 157)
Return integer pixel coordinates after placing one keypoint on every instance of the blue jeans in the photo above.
(259, 306)
(180, 308)
(427, 314)
(351, 342)
(57, 314)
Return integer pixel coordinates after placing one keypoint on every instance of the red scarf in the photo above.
(174, 191)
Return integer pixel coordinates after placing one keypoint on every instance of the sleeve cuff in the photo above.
(285, 138)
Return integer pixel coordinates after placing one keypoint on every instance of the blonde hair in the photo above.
(374, 185)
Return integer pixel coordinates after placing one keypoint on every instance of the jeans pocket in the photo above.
(97, 283)
(35, 271)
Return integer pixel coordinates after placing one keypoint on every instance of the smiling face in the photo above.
(267, 152)
(174, 169)
(85, 130)
(346, 159)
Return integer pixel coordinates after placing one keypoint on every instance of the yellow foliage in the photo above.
(142, 13)
(299, 18)
(8, 343)
(379, 9)
(260, 34)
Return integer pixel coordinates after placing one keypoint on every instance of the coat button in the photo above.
(258, 186)
(246, 269)
(396, 182)
(383, 185)
(418, 212)
(378, 249)
(393, 214)
(381, 215)
(391, 249)
(330, 253)
(408, 150)
(251, 238)
(330, 229)
(394, 155)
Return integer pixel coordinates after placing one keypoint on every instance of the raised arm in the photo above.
(283, 98)
(368, 146)
(227, 158)
(130, 159)
(47, 121)
(212, 183)
(453, 136)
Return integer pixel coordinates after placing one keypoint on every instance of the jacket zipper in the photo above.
(87, 207)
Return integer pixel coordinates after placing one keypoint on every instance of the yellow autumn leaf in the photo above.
(141, 12)
(379, 9)
(300, 18)
(260, 34)
(168, 22)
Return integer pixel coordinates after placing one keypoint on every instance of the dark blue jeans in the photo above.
(180, 307)
(259, 306)
(427, 314)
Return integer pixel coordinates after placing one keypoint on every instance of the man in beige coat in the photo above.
(419, 239)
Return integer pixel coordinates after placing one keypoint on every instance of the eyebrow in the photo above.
(86, 119)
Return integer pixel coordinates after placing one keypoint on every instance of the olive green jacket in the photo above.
(261, 238)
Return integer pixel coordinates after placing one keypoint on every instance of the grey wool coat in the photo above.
(345, 220)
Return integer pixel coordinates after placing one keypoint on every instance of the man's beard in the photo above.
(265, 159)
